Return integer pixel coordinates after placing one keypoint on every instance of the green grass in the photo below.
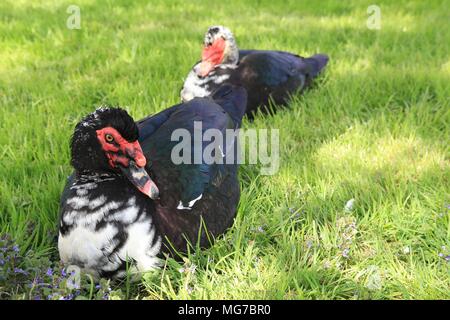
(374, 129)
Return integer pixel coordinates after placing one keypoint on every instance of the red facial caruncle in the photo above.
(128, 158)
(212, 56)
(118, 150)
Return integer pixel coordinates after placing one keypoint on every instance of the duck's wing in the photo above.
(176, 153)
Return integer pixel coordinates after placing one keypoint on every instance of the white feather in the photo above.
(190, 204)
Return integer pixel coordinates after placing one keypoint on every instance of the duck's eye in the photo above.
(109, 138)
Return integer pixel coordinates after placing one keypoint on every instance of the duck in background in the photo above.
(267, 75)
(127, 199)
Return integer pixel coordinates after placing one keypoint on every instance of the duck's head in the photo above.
(219, 48)
(107, 141)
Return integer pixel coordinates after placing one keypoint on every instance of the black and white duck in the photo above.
(128, 200)
(265, 74)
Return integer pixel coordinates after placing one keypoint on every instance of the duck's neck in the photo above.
(86, 175)
(231, 54)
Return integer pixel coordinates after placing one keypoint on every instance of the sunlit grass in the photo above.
(374, 129)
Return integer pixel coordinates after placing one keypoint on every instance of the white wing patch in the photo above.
(190, 204)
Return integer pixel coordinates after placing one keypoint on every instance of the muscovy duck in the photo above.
(265, 74)
(127, 200)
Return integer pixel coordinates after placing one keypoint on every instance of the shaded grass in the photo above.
(373, 129)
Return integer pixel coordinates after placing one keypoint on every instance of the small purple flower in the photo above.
(294, 214)
(189, 289)
(2, 262)
(16, 248)
(63, 273)
(98, 286)
(36, 281)
(49, 272)
(345, 253)
(21, 271)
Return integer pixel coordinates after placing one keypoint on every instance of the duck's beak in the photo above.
(135, 170)
(212, 55)
(139, 177)
(206, 67)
